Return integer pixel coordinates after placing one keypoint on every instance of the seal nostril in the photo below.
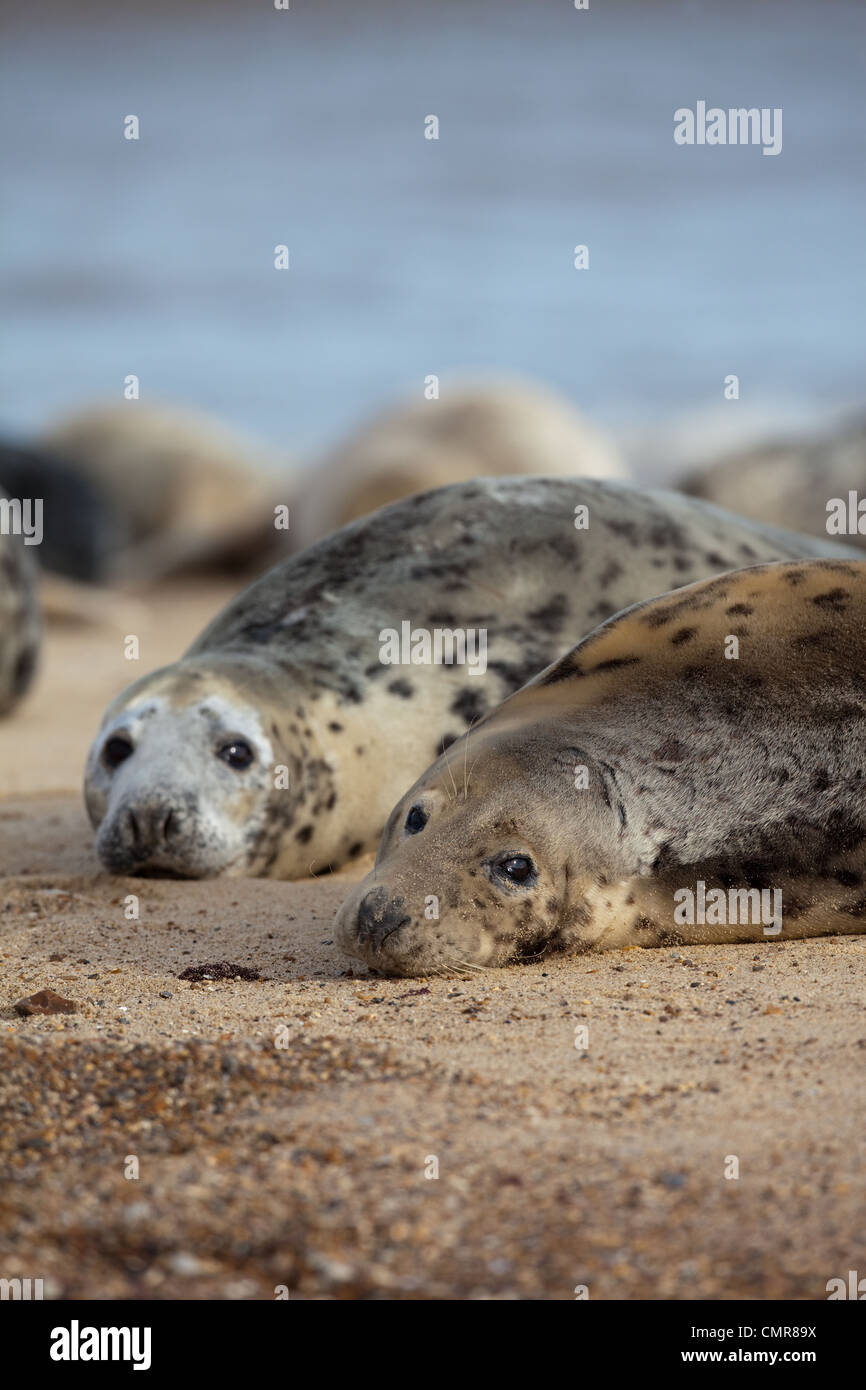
(369, 912)
(168, 825)
(378, 918)
(134, 828)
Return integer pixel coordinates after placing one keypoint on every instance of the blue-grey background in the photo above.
(411, 256)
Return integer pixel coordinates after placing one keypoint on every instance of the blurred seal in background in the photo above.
(789, 482)
(19, 613)
(475, 429)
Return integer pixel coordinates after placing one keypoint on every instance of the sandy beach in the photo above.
(284, 1129)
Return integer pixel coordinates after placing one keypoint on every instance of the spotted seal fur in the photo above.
(708, 743)
(278, 744)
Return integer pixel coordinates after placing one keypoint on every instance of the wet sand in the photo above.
(282, 1127)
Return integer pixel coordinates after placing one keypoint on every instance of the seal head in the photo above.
(181, 777)
(475, 866)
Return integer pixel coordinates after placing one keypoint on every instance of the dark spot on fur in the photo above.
(834, 599)
(515, 674)
(402, 688)
(659, 617)
(627, 529)
(616, 663)
(335, 727)
(671, 751)
(470, 704)
(551, 617)
(562, 671)
(612, 571)
(683, 634)
(304, 835)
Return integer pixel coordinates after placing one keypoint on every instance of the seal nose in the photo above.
(379, 916)
(148, 829)
(142, 833)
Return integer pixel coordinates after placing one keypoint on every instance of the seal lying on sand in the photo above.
(280, 741)
(693, 771)
(182, 491)
(473, 430)
(791, 482)
(19, 613)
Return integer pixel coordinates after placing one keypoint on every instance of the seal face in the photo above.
(208, 758)
(20, 628)
(693, 771)
(341, 713)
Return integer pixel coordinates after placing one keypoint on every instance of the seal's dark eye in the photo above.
(518, 869)
(416, 820)
(237, 754)
(116, 751)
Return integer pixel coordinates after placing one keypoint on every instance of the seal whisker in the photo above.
(465, 762)
(471, 770)
(470, 965)
(450, 774)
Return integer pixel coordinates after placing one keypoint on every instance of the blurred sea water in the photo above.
(409, 256)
